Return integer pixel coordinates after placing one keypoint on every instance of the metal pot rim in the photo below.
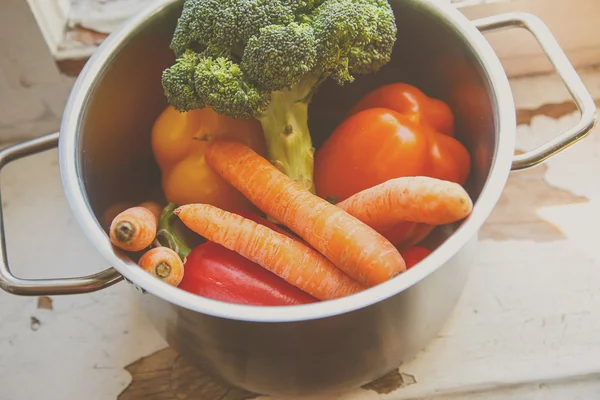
(75, 192)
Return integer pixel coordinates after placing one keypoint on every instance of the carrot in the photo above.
(291, 260)
(114, 210)
(351, 245)
(418, 199)
(111, 212)
(133, 229)
(154, 208)
(163, 263)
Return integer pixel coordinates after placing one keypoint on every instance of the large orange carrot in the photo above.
(164, 264)
(288, 258)
(133, 229)
(418, 199)
(351, 245)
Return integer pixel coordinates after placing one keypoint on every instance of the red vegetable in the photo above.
(216, 272)
(413, 255)
(297, 264)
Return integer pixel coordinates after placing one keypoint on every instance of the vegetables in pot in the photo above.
(178, 143)
(218, 273)
(290, 259)
(265, 60)
(394, 131)
(349, 244)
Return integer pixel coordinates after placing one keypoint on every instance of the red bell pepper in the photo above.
(218, 273)
(413, 255)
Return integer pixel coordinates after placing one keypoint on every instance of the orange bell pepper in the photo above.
(394, 131)
(412, 102)
(450, 160)
(178, 143)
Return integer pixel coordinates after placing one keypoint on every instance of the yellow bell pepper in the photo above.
(178, 143)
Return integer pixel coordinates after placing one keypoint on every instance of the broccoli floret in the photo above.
(296, 41)
(355, 37)
(220, 84)
(265, 59)
(178, 83)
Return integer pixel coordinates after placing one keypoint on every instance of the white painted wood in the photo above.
(573, 23)
(579, 34)
(52, 17)
(469, 3)
(104, 16)
(32, 91)
(79, 349)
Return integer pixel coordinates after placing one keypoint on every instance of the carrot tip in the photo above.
(124, 231)
(163, 270)
(163, 263)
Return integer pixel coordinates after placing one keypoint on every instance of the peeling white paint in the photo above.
(104, 15)
(576, 170)
(81, 346)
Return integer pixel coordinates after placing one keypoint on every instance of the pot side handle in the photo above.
(564, 69)
(44, 287)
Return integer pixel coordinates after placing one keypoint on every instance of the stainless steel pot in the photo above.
(105, 157)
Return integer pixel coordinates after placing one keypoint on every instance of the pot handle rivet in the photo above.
(44, 287)
(564, 69)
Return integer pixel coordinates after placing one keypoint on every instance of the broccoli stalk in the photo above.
(265, 59)
(285, 126)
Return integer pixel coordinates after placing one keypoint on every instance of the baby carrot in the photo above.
(291, 260)
(154, 208)
(418, 199)
(351, 245)
(133, 229)
(114, 210)
(111, 212)
(164, 264)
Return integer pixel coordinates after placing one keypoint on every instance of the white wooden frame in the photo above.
(53, 19)
(572, 22)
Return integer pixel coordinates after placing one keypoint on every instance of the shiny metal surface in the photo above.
(106, 130)
(572, 81)
(42, 287)
(310, 348)
(105, 157)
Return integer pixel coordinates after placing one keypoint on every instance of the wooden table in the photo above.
(527, 326)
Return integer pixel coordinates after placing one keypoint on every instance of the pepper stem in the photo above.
(167, 233)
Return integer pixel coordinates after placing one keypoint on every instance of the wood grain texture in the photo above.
(166, 376)
(515, 215)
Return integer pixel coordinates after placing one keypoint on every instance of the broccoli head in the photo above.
(298, 43)
(264, 59)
